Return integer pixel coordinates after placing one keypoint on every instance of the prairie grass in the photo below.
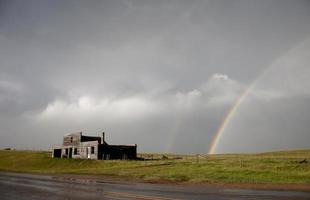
(274, 167)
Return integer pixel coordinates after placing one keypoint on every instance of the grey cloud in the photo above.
(169, 117)
(159, 56)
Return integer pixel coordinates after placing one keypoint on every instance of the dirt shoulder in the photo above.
(118, 179)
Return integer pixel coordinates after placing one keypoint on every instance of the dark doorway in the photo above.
(70, 152)
(57, 153)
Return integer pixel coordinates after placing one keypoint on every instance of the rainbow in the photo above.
(232, 110)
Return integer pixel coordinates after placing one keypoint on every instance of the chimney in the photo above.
(102, 138)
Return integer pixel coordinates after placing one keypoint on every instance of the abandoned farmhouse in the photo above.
(77, 145)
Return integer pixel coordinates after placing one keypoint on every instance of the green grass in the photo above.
(275, 167)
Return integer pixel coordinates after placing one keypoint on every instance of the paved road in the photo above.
(26, 186)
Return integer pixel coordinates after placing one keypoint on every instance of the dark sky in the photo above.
(161, 74)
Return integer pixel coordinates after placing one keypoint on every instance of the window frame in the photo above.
(75, 151)
(92, 150)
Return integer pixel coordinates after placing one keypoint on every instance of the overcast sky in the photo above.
(161, 74)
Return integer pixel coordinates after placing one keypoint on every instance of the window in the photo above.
(75, 152)
(71, 139)
(92, 150)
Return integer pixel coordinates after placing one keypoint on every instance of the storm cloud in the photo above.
(162, 74)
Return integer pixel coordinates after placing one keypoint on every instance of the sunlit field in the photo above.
(274, 167)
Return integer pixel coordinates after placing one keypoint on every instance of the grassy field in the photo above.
(275, 167)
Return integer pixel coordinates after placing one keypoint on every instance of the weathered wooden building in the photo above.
(77, 145)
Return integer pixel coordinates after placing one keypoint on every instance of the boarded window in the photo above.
(92, 150)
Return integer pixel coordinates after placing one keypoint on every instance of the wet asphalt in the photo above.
(27, 186)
